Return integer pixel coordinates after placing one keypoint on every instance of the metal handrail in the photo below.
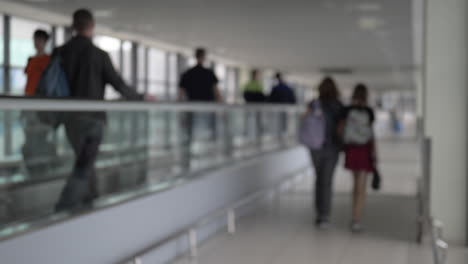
(228, 211)
(33, 104)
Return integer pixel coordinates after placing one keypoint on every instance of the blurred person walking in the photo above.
(88, 70)
(320, 134)
(253, 89)
(37, 147)
(198, 84)
(282, 93)
(253, 93)
(38, 63)
(360, 149)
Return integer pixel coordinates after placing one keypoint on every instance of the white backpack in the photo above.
(358, 128)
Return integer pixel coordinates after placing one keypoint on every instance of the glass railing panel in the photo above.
(244, 129)
(142, 150)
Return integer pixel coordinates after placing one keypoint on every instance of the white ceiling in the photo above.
(300, 36)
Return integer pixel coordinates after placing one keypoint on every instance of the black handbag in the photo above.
(376, 180)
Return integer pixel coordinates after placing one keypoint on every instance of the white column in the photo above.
(418, 53)
(446, 112)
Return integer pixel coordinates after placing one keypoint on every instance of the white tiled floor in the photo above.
(283, 233)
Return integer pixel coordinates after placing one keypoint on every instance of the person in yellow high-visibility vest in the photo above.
(253, 89)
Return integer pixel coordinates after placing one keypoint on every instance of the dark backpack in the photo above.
(53, 82)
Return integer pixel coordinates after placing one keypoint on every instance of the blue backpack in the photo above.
(53, 82)
(312, 131)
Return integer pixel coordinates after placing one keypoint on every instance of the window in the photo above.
(111, 46)
(268, 81)
(191, 62)
(21, 48)
(21, 43)
(59, 36)
(157, 73)
(173, 77)
(127, 62)
(220, 71)
(231, 85)
(299, 89)
(141, 70)
(17, 81)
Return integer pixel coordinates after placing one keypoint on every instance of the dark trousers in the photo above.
(283, 123)
(38, 152)
(85, 136)
(324, 161)
(254, 97)
(201, 122)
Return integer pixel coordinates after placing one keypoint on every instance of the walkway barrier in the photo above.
(228, 212)
(146, 147)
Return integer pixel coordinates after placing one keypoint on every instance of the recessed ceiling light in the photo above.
(369, 7)
(103, 13)
(369, 23)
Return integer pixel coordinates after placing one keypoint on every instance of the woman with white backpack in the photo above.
(319, 134)
(360, 150)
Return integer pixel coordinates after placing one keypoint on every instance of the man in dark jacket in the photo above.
(282, 93)
(88, 70)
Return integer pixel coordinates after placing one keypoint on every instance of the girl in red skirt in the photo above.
(360, 150)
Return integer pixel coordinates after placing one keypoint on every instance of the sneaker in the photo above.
(356, 228)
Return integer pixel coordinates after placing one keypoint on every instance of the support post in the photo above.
(193, 243)
(231, 218)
